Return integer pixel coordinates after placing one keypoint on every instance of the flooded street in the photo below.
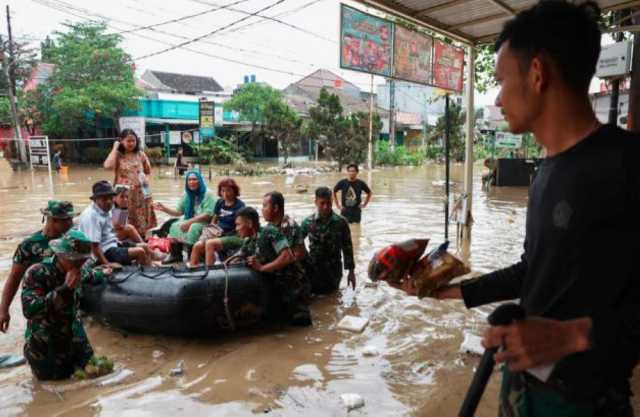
(284, 371)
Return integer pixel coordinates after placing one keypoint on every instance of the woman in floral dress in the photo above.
(132, 168)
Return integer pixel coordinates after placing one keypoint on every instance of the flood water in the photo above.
(280, 370)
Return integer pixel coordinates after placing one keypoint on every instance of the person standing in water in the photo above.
(132, 168)
(580, 295)
(351, 188)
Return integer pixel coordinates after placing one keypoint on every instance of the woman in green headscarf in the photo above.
(196, 208)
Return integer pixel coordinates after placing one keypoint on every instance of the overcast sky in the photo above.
(277, 53)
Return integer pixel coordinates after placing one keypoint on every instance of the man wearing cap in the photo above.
(96, 222)
(55, 342)
(32, 250)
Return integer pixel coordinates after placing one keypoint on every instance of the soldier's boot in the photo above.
(175, 253)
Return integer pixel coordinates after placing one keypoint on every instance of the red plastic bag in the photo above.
(393, 263)
(162, 244)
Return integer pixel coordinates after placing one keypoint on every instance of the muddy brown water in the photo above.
(280, 370)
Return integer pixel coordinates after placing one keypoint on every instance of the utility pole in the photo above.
(615, 84)
(22, 153)
(370, 150)
(12, 58)
(392, 114)
(633, 120)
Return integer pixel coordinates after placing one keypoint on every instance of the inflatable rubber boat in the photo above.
(179, 301)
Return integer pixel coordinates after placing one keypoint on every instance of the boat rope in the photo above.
(226, 298)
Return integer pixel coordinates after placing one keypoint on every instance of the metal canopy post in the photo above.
(447, 133)
(468, 154)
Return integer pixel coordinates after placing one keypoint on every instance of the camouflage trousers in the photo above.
(524, 396)
(58, 359)
(325, 278)
(293, 290)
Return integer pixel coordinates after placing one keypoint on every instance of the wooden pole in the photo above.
(370, 150)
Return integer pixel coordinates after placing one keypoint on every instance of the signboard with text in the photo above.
(207, 119)
(614, 60)
(412, 56)
(508, 140)
(39, 151)
(448, 66)
(366, 42)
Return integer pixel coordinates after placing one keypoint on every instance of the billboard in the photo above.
(366, 42)
(135, 123)
(448, 66)
(412, 56)
(207, 119)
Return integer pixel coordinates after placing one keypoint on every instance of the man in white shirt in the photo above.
(96, 222)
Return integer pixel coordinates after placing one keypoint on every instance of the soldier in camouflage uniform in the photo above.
(329, 237)
(279, 251)
(55, 342)
(59, 219)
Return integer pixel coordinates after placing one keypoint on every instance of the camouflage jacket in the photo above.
(32, 250)
(329, 237)
(292, 231)
(51, 308)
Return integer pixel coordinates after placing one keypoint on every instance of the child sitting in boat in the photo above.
(224, 237)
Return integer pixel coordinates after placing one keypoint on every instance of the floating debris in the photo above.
(353, 324)
(352, 401)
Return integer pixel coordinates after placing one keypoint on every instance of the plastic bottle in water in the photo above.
(146, 190)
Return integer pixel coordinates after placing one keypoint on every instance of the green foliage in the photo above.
(24, 59)
(485, 67)
(94, 78)
(344, 138)
(252, 100)
(284, 125)
(456, 136)
(400, 155)
(5, 111)
(219, 151)
(96, 155)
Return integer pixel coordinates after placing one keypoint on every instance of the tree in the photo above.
(283, 124)
(24, 60)
(94, 78)
(344, 138)
(485, 67)
(250, 102)
(456, 134)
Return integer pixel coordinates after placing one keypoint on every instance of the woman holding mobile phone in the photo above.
(133, 169)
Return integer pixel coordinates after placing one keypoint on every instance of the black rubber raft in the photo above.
(179, 301)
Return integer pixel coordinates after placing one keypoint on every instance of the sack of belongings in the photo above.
(400, 265)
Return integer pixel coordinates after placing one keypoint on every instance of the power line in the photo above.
(180, 19)
(274, 19)
(196, 39)
(61, 7)
(68, 9)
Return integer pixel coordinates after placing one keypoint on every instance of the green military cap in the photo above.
(59, 209)
(74, 245)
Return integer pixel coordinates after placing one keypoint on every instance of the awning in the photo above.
(469, 21)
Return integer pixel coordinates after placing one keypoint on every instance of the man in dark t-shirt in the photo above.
(351, 188)
(577, 281)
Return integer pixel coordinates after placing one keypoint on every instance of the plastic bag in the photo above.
(393, 263)
(435, 270)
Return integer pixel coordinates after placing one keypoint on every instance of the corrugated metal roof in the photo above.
(469, 21)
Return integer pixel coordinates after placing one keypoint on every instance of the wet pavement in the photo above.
(284, 371)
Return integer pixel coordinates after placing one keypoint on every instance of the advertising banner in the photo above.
(207, 119)
(448, 66)
(412, 56)
(366, 42)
